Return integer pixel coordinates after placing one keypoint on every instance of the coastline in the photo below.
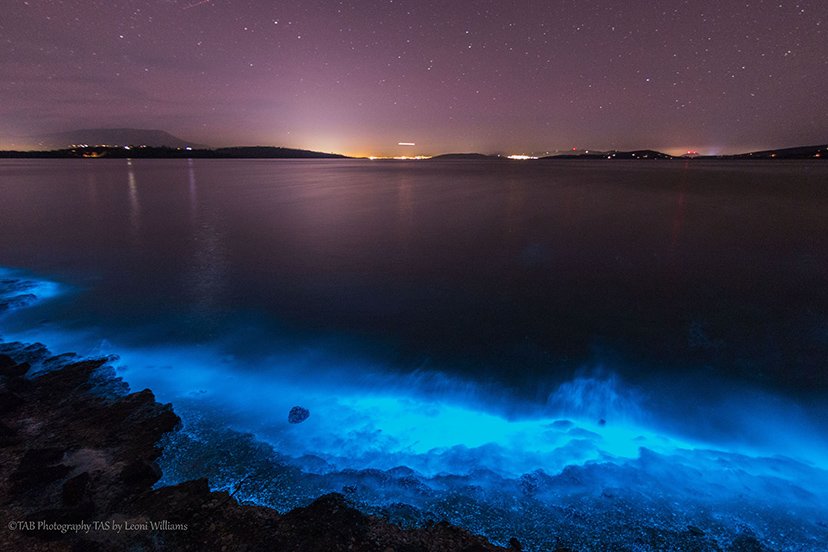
(85, 151)
(78, 455)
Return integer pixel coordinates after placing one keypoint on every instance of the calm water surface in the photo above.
(516, 272)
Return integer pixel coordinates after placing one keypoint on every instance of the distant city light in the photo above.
(521, 157)
(401, 157)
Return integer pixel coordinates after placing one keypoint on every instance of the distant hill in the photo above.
(113, 137)
(479, 156)
(636, 154)
(269, 152)
(256, 152)
(801, 152)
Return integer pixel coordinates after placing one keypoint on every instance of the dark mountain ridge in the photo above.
(254, 152)
(798, 152)
(636, 154)
(114, 137)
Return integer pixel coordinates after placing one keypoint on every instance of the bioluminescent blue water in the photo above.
(618, 354)
(426, 447)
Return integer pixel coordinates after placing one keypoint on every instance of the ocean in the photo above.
(494, 343)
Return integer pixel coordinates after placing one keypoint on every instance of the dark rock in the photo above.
(26, 479)
(18, 385)
(8, 436)
(6, 361)
(141, 473)
(37, 457)
(37, 468)
(14, 370)
(76, 490)
(298, 414)
(9, 402)
(327, 523)
(695, 531)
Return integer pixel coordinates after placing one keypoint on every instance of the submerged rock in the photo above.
(298, 414)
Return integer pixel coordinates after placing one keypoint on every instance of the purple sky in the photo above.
(358, 77)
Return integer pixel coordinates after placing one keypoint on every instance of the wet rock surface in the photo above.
(78, 462)
(298, 414)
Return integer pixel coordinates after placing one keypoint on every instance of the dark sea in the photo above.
(530, 336)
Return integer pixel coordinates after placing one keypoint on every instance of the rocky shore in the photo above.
(78, 463)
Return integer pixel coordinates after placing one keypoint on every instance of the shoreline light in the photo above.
(401, 157)
(521, 157)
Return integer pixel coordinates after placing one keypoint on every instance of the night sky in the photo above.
(357, 77)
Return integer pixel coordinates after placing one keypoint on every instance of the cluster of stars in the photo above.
(584, 68)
